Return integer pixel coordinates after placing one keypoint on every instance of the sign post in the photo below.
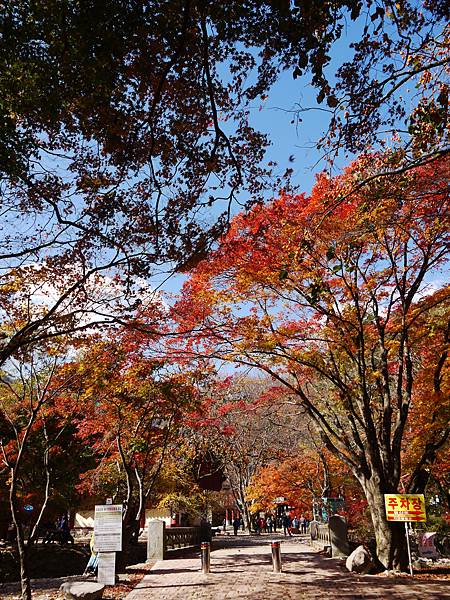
(409, 550)
(405, 508)
(106, 568)
(107, 540)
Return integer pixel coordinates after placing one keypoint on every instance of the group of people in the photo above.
(271, 523)
(265, 525)
(299, 524)
(59, 531)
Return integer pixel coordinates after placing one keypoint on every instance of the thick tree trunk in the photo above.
(130, 531)
(390, 536)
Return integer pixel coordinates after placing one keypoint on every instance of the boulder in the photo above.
(360, 561)
(420, 563)
(82, 590)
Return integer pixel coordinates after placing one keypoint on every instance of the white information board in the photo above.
(106, 568)
(108, 528)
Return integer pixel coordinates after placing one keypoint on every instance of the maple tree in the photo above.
(426, 451)
(179, 487)
(114, 147)
(176, 488)
(241, 431)
(128, 407)
(330, 308)
(110, 50)
(300, 478)
(305, 477)
(33, 442)
(120, 138)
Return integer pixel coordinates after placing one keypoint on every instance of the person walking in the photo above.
(256, 526)
(269, 524)
(303, 524)
(236, 525)
(286, 522)
(65, 531)
(262, 524)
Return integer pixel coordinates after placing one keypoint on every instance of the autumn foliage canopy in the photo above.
(331, 294)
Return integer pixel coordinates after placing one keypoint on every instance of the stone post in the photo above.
(314, 530)
(156, 542)
(338, 537)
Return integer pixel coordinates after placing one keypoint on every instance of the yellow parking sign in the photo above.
(405, 507)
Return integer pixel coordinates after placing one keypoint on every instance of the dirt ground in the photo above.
(48, 588)
(52, 565)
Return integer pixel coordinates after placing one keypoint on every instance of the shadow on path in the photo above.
(241, 568)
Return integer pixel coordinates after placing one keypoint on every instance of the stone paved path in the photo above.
(241, 568)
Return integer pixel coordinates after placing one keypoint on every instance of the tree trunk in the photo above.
(35, 530)
(128, 535)
(245, 514)
(21, 546)
(390, 536)
(241, 499)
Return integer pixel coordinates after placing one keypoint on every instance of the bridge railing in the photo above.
(323, 535)
(162, 539)
(331, 536)
(181, 537)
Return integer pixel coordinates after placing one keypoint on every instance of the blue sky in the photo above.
(288, 93)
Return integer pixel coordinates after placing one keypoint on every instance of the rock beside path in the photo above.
(82, 590)
(360, 561)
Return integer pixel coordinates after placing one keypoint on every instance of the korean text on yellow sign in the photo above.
(405, 507)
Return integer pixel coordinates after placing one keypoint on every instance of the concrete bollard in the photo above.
(205, 552)
(276, 556)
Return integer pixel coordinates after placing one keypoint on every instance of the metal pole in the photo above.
(205, 550)
(409, 550)
(276, 556)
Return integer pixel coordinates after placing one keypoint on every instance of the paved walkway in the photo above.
(241, 568)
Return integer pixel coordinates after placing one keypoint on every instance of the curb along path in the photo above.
(241, 567)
